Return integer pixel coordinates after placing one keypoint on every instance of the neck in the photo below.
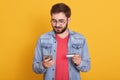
(64, 34)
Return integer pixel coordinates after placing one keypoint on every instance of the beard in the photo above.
(59, 29)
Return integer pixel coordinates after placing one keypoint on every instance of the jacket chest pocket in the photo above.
(76, 48)
(46, 48)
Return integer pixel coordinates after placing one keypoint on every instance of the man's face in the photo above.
(59, 22)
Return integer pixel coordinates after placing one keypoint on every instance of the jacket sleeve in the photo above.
(85, 63)
(37, 61)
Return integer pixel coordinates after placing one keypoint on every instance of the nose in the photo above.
(57, 24)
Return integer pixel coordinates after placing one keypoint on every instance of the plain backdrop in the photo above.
(23, 21)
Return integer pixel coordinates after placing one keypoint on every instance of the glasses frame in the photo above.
(60, 21)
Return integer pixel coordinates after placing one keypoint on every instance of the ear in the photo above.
(69, 19)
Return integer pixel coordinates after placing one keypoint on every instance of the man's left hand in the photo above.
(76, 59)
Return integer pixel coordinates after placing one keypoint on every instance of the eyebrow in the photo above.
(58, 19)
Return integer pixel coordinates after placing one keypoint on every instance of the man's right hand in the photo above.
(47, 63)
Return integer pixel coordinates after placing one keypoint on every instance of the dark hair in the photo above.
(61, 7)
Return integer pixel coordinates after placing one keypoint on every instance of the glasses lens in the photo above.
(60, 21)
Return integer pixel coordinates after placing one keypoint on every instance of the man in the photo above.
(61, 53)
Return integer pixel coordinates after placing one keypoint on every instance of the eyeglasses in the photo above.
(60, 21)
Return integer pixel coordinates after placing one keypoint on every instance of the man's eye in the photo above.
(54, 21)
(61, 21)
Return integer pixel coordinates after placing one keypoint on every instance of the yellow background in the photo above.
(22, 21)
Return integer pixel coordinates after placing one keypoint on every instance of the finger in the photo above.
(50, 63)
(48, 59)
(76, 60)
(77, 55)
(45, 64)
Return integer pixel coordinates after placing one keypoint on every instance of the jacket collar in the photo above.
(52, 33)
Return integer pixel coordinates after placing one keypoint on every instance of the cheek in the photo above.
(52, 25)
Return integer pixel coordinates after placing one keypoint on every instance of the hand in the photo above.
(47, 62)
(76, 59)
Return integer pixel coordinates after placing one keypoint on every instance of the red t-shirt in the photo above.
(61, 72)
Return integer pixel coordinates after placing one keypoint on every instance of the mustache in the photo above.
(57, 26)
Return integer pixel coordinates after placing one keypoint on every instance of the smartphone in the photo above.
(48, 56)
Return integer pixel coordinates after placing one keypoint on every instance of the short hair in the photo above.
(61, 7)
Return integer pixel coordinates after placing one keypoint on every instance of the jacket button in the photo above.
(53, 69)
(52, 78)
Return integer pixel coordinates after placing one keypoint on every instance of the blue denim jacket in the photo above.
(47, 45)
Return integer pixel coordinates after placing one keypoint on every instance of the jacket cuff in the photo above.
(41, 67)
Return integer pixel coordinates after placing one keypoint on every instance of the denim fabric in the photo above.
(47, 45)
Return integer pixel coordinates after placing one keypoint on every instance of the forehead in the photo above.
(58, 16)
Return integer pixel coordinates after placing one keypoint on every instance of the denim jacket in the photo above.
(47, 45)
